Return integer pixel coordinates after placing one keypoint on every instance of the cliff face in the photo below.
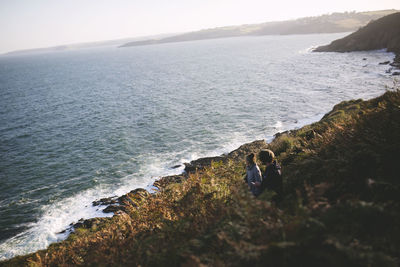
(379, 34)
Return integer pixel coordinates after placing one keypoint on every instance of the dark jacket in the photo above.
(272, 179)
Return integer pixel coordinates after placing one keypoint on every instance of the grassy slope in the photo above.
(341, 206)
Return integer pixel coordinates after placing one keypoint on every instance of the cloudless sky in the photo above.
(28, 24)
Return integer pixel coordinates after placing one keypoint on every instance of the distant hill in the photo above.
(76, 46)
(379, 34)
(331, 23)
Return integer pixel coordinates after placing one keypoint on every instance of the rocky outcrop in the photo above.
(235, 155)
(243, 150)
(90, 223)
(134, 198)
(383, 33)
(201, 163)
(115, 204)
(105, 201)
(163, 182)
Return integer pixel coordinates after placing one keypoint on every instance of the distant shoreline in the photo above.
(326, 23)
(331, 23)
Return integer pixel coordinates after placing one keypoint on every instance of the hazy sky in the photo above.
(41, 23)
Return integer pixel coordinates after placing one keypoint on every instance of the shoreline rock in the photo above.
(115, 204)
(383, 33)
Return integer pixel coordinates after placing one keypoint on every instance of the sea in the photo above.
(80, 125)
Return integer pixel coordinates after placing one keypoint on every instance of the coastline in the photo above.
(118, 204)
(378, 34)
(115, 205)
(162, 182)
(316, 198)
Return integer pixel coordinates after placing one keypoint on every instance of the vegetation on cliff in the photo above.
(341, 205)
(378, 34)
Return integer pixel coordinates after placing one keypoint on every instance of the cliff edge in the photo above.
(383, 33)
(341, 205)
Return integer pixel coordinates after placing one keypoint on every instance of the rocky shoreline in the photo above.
(395, 65)
(383, 33)
(366, 38)
(118, 204)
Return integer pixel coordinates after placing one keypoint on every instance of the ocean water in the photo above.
(77, 126)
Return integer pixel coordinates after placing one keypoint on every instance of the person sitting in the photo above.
(253, 174)
(272, 176)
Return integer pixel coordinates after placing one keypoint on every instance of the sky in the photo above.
(26, 24)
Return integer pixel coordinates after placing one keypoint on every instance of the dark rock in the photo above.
(397, 73)
(395, 65)
(201, 163)
(113, 208)
(365, 58)
(163, 182)
(105, 201)
(384, 63)
(253, 147)
(396, 60)
(79, 224)
(89, 223)
(280, 134)
(134, 197)
(235, 155)
(176, 166)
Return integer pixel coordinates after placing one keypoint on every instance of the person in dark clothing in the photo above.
(272, 176)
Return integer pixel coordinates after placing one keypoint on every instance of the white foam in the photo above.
(56, 218)
(307, 50)
(278, 125)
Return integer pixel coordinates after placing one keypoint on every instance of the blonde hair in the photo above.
(266, 156)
